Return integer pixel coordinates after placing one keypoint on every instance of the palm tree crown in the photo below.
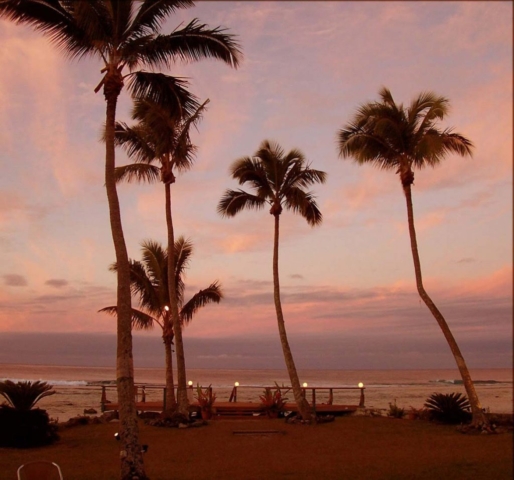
(160, 136)
(392, 136)
(149, 283)
(278, 180)
(122, 35)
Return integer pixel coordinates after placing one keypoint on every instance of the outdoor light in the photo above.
(236, 384)
(167, 308)
(190, 383)
(117, 436)
(361, 385)
(304, 384)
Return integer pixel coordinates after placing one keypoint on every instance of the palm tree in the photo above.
(278, 180)
(394, 137)
(124, 37)
(161, 136)
(149, 282)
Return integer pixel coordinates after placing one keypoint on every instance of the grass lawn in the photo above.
(348, 448)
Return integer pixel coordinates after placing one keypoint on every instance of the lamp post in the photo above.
(361, 401)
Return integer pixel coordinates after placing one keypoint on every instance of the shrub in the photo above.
(452, 408)
(395, 411)
(22, 425)
(272, 401)
(26, 428)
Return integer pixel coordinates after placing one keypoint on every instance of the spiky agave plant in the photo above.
(450, 408)
(24, 395)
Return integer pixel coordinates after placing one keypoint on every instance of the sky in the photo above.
(348, 286)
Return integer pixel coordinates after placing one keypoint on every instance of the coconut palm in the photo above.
(278, 180)
(394, 137)
(125, 38)
(149, 282)
(161, 137)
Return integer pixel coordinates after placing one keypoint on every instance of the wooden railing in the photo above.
(330, 390)
(312, 394)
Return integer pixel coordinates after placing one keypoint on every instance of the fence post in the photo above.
(361, 401)
(103, 400)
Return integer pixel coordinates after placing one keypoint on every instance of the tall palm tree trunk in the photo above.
(479, 417)
(182, 401)
(301, 402)
(171, 402)
(132, 465)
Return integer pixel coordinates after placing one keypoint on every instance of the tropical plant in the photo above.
(161, 137)
(125, 37)
(394, 137)
(279, 181)
(25, 395)
(205, 399)
(23, 425)
(149, 282)
(395, 411)
(272, 401)
(450, 408)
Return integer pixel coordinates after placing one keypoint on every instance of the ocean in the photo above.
(80, 388)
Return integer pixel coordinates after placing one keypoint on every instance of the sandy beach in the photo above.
(350, 447)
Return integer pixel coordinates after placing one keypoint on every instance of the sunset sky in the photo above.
(348, 286)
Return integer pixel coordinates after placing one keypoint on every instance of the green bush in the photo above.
(452, 408)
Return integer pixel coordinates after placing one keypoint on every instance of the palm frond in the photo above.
(191, 43)
(184, 150)
(251, 171)
(138, 172)
(211, 294)
(24, 395)
(151, 14)
(140, 320)
(68, 25)
(303, 203)
(233, 201)
(146, 287)
(183, 252)
(167, 91)
(154, 259)
(136, 141)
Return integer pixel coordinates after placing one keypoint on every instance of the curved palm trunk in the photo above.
(171, 402)
(479, 417)
(303, 406)
(131, 457)
(182, 401)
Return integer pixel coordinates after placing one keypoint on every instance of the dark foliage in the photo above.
(26, 428)
(452, 408)
(24, 395)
